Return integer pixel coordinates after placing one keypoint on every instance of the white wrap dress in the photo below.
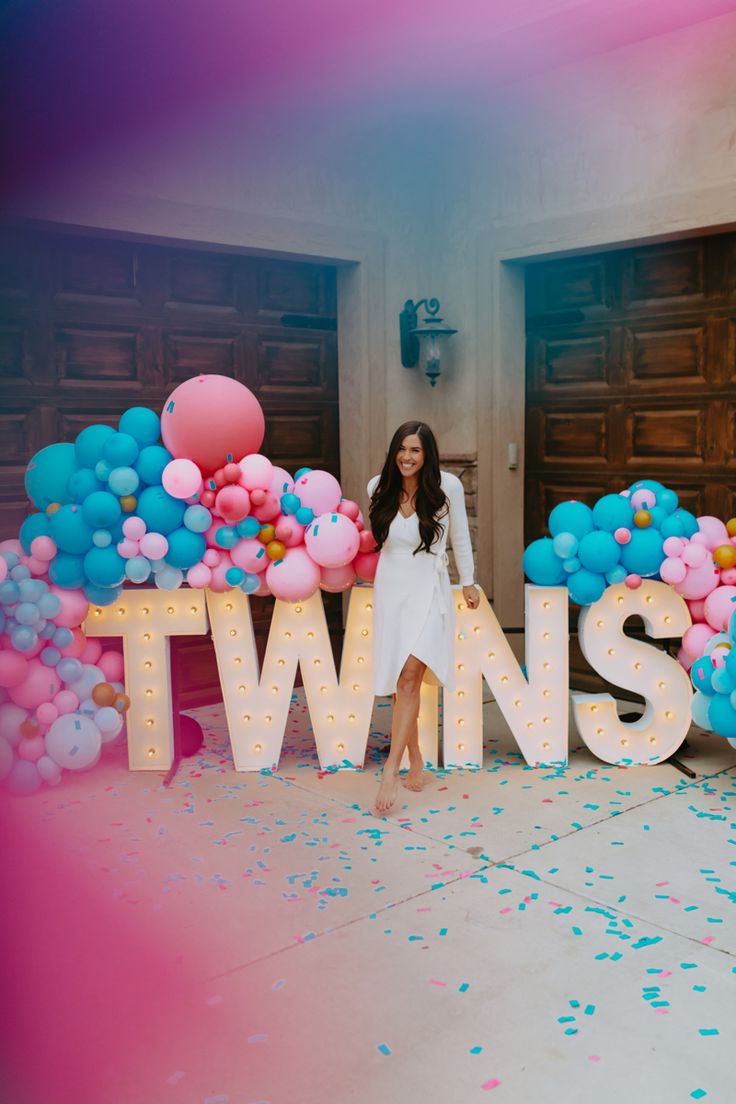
(413, 610)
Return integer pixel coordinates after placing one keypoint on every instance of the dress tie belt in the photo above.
(438, 591)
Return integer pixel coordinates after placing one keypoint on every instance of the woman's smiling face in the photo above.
(410, 457)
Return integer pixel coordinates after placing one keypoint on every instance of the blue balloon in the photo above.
(540, 563)
(101, 596)
(668, 501)
(137, 569)
(120, 450)
(616, 575)
(731, 657)
(161, 512)
(50, 656)
(102, 470)
(9, 592)
(102, 538)
(722, 681)
(32, 590)
(573, 564)
(49, 604)
(227, 537)
(101, 510)
(250, 583)
(151, 463)
(19, 573)
(169, 578)
(565, 545)
(69, 529)
(142, 424)
(699, 707)
(235, 576)
(648, 485)
(48, 474)
(249, 527)
(63, 637)
(23, 639)
(722, 716)
(90, 444)
(585, 586)
(290, 503)
(104, 567)
(26, 613)
(613, 512)
(304, 515)
(12, 559)
(643, 554)
(679, 524)
(37, 525)
(197, 518)
(301, 472)
(69, 669)
(67, 571)
(657, 516)
(185, 548)
(123, 481)
(571, 517)
(83, 483)
(48, 631)
(599, 552)
(701, 674)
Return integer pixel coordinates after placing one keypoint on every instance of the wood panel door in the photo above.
(631, 373)
(89, 327)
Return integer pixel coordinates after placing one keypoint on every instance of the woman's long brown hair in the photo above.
(431, 501)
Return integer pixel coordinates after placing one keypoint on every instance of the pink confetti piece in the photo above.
(708, 939)
(594, 1058)
(492, 1084)
(433, 982)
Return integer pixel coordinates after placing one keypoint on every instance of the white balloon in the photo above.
(11, 718)
(90, 677)
(74, 741)
(49, 770)
(109, 722)
(6, 758)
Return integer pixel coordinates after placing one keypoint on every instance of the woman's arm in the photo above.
(459, 531)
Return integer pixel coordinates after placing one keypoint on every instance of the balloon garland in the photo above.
(644, 533)
(181, 498)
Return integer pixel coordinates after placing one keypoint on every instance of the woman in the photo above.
(413, 507)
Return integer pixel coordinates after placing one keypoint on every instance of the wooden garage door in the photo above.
(89, 327)
(631, 373)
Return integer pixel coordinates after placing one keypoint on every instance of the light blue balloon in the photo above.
(19, 573)
(612, 512)
(161, 512)
(23, 639)
(9, 592)
(26, 613)
(102, 470)
(701, 674)
(722, 716)
(586, 586)
(67, 571)
(123, 481)
(69, 529)
(137, 569)
(49, 604)
(32, 590)
(48, 631)
(63, 637)
(50, 656)
(37, 525)
(197, 518)
(699, 707)
(643, 554)
(48, 474)
(102, 538)
(142, 424)
(571, 517)
(249, 527)
(101, 510)
(11, 559)
(151, 463)
(565, 545)
(227, 537)
(573, 564)
(83, 483)
(107, 719)
(69, 669)
(250, 583)
(185, 548)
(616, 575)
(169, 578)
(540, 563)
(722, 682)
(90, 444)
(104, 567)
(599, 552)
(120, 450)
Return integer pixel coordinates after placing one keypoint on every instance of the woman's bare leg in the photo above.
(404, 731)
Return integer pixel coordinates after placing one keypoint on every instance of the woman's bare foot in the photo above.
(387, 791)
(414, 778)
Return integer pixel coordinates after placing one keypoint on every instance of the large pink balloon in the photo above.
(256, 472)
(40, 685)
(365, 564)
(250, 555)
(695, 638)
(715, 531)
(672, 571)
(699, 581)
(212, 420)
(318, 490)
(74, 606)
(281, 482)
(218, 581)
(181, 478)
(719, 605)
(112, 666)
(232, 503)
(332, 540)
(13, 667)
(295, 578)
(336, 579)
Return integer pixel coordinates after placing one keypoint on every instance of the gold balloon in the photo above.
(104, 694)
(731, 527)
(725, 556)
(128, 503)
(275, 550)
(121, 703)
(267, 534)
(642, 519)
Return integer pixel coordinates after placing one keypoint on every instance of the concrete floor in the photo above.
(541, 935)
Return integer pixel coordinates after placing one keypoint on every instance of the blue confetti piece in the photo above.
(382, 1048)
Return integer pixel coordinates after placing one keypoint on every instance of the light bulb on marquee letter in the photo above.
(146, 619)
(636, 666)
(536, 707)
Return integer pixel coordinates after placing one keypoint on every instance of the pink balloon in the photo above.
(40, 685)
(714, 530)
(365, 564)
(154, 546)
(199, 576)
(699, 538)
(269, 509)
(211, 557)
(66, 701)
(43, 548)
(212, 420)
(673, 546)
(349, 508)
(232, 503)
(694, 640)
(673, 571)
(332, 540)
(728, 576)
(210, 535)
(719, 606)
(250, 555)
(684, 659)
(112, 666)
(257, 472)
(128, 549)
(31, 748)
(367, 541)
(699, 581)
(319, 491)
(643, 499)
(134, 528)
(336, 579)
(37, 568)
(3, 569)
(294, 578)
(281, 483)
(219, 582)
(697, 609)
(622, 535)
(13, 667)
(694, 555)
(633, 581)
(181, 478)
(77, 646)
(47, 713)
(74, 606)
(289, 531)
(92, 651)
(12, 546)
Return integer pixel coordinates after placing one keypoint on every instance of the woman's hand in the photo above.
(471, 594)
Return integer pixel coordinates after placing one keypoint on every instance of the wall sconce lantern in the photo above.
(421, 339)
